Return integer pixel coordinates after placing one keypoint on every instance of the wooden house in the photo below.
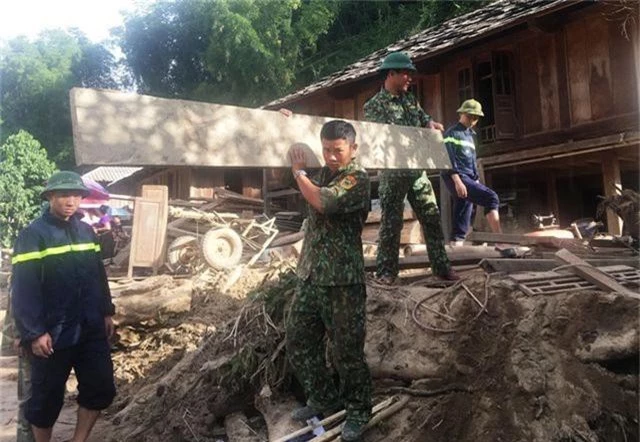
(558, 81)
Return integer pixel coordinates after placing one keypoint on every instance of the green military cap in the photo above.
(397, 61)
(65, 180)
(471, 107)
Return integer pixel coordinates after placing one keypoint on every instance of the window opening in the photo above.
(487, 124)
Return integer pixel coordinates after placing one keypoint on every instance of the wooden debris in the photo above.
(155, 305)
(238, 429)
(544, 265)
(592, 274)
(277, 413)
(556, 238)
(551, 282)
(457, 255)
(411, 232)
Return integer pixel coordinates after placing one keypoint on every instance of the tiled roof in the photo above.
(109, 175)
(494, 17)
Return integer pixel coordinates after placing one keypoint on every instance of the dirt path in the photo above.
(63, 430)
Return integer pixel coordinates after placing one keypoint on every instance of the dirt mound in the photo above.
(555, 368)
(495, 366)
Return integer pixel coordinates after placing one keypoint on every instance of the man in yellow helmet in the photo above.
(462, 180)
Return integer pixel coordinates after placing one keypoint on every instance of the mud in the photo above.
(546, 368)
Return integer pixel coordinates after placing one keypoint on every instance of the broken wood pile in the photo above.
(484, 356)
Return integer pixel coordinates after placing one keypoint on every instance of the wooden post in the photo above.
(552, 195)
(612, 185)
(636, 55)
(445, 210)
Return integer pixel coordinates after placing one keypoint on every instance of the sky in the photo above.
(29, 17)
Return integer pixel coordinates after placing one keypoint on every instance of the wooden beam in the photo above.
(561, 150)
(552, 194)
(457, 255)
(522, 239)
(585, 270)
(116, 128)
(612, 183)
(544, 265)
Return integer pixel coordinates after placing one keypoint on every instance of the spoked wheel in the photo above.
(222, 248)
(183, 252)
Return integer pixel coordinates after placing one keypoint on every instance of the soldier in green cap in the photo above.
(462, 180)
(330, 296)
(62, 308)
(395, 104)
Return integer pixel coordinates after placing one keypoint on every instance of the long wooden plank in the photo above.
(543, 265)
(116, 128)
(457, 255)
(522, 239)
(587, 271)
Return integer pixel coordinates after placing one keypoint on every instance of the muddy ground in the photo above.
(504, 366)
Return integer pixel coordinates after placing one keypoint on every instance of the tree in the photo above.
(35, 79)
(24, 167)
(227, 51)
(362, 27)
(249, 52)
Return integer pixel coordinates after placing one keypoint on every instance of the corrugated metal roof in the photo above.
(492, 18)
(110, 174)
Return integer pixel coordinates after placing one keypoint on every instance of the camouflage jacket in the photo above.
(332, 249)
(403, 110)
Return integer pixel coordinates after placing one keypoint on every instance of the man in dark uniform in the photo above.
(330, 295)
(462, 180)
(394, 104)
(62, 308)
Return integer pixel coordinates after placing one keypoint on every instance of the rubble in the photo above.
(520, 349)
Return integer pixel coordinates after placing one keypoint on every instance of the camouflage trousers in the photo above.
(415, 185)
(24, 432)
(340, 312)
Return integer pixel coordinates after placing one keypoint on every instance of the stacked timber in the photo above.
(411, 231)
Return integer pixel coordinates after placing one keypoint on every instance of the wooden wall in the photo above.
(573, 76)
(600, 70)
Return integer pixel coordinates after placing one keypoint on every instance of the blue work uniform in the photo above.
(59, 286)
(461, 147)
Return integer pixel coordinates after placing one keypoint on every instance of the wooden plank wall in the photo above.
(623, 71)
(203, 181)
(432, 99)
(601, 74)
(451, 100)
(345, 109)
(530, 108)
(548, 82)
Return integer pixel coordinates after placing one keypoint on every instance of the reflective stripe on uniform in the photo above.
(460, 142)
(29, 256)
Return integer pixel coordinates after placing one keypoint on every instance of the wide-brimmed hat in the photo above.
(471, 107)
(397, 61)
(65, 180)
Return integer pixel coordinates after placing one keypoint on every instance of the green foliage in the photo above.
(248, 52)
(35, 78)
(227, 51)
(363, 27)
(24, 167)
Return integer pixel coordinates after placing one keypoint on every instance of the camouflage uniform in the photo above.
(330, 296)
(396, 185)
